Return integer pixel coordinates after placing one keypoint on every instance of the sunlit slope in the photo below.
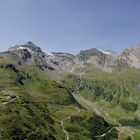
(114, 96)
(34, 107)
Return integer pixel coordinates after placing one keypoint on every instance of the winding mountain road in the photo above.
(104, 134)
(62, 124)
(63, 128)
(99, 112)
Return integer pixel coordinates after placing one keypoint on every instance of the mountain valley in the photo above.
(94, 95)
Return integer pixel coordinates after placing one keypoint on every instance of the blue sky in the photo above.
(70, 25)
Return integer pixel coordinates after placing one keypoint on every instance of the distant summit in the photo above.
(28, 45)
(59, 61)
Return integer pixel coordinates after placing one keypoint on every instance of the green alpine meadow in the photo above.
(59, 96)
(69, 69)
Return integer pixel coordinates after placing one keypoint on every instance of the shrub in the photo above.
(129, 106)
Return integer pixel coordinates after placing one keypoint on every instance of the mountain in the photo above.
(59, 96)
(132, 56)
(108, 61)
(102, 60)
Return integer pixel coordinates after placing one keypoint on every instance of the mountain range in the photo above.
(93, 95)
(31, 54)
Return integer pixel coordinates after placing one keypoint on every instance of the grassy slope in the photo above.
(40, 106)
(116, 94)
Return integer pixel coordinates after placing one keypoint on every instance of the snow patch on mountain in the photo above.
(105, 52)
(22, 48)
(48, 53)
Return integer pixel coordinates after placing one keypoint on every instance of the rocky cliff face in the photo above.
(100, 59)
(109, 60)
(132, 56)
(31, 54)
(29, 46)
(60, 61)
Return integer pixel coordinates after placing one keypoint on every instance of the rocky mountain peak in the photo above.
(29, 43)
(104, 60)
(135, 48)
(111, 52)
(132, 56)
(31, 47)
(86, 54)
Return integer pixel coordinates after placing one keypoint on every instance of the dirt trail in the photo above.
(104, 134)
(93, 106)
(62, 124)
(63, 128)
